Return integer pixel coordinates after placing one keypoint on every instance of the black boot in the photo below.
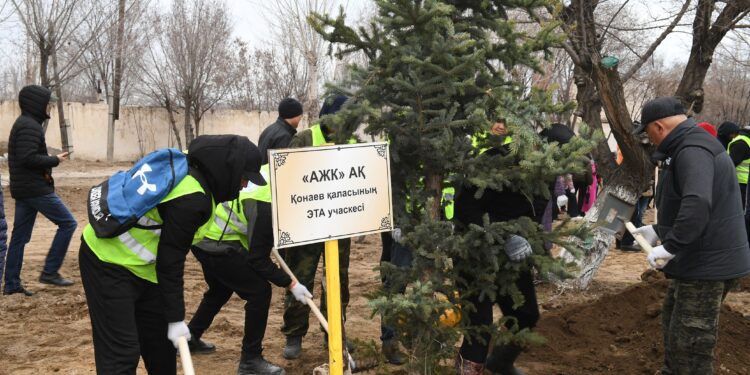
(54, 279)
(258, 366)
(198, 346)
(391, 352)
(502, 358)
(293, 347)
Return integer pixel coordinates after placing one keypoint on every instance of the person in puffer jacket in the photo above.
(33, 188)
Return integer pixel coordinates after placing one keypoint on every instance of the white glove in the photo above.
(658, 253)
(562, 201)
(300, 292)
(517, 248)
(648, 233)
(396, 234)
(176, 330)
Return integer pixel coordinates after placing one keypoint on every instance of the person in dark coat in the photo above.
(134, 283)
(280, 133)
(704, 247)
(500, 206)
(33, 188)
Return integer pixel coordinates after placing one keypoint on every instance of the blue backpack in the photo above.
(115, 205)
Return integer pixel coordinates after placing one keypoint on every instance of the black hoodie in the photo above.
(29, 163)
(217, 162)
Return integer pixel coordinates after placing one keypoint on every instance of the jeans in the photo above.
(53, 209)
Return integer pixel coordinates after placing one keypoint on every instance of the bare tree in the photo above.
(265, 77)
(195, 38)
(156, 78)
(293, 30)
(51, 26)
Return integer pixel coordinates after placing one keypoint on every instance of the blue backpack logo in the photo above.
(115, 205)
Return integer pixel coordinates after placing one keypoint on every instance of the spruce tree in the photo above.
(439, 74)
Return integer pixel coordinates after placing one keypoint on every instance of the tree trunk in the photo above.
(173, 122)
(189, 135)
(590, 110)
(115, 102)
(43, 64)
(312, 91)
(66, 144)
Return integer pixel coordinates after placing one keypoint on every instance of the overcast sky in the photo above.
(252, 24)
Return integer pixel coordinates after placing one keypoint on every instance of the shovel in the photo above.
(614, 218)
(352, 366)
(187, 361)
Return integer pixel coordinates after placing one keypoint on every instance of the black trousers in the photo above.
(526, 314)
(227, 274)
(126, 319)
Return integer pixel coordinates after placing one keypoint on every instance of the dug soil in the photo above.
(614, 327)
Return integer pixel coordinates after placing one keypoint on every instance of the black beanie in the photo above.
(289, 108)
(726, 128)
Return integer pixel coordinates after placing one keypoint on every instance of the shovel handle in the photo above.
(309, 300)
(642, 241)
(187, 361)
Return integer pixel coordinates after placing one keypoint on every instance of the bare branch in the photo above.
(650, 51)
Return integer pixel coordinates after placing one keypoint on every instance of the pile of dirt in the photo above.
(621, 334)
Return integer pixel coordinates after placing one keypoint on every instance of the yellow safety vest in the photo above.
(136, 249)
(743, 168)
(478, 138)
(230, 222)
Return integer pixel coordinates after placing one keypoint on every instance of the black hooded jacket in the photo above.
(29, 163)
(217, 162)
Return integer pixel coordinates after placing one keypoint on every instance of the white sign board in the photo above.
(330, 192)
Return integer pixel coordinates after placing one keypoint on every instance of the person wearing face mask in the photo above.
(704, 246)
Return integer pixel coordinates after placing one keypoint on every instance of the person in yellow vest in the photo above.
(303, 260)
(739, 151)
(235, 256)
(134, 282)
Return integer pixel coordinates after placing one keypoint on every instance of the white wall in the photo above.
(139, 130)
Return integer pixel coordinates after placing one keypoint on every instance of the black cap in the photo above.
(659, 108)
(557, 133)
(251, 172)
(290, 108)
(726, 128)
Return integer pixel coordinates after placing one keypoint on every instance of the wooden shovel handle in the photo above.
(642, 241)
(187, 361)
(309, 300)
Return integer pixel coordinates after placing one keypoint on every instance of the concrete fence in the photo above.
(139, 130)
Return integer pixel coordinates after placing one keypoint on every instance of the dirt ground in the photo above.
(614, 327)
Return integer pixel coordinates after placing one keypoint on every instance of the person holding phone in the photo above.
(33, 188)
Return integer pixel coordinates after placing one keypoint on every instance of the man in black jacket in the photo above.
(235, 257)
(33, 188)
(280, 133)
(136, 304)
(704, 246)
